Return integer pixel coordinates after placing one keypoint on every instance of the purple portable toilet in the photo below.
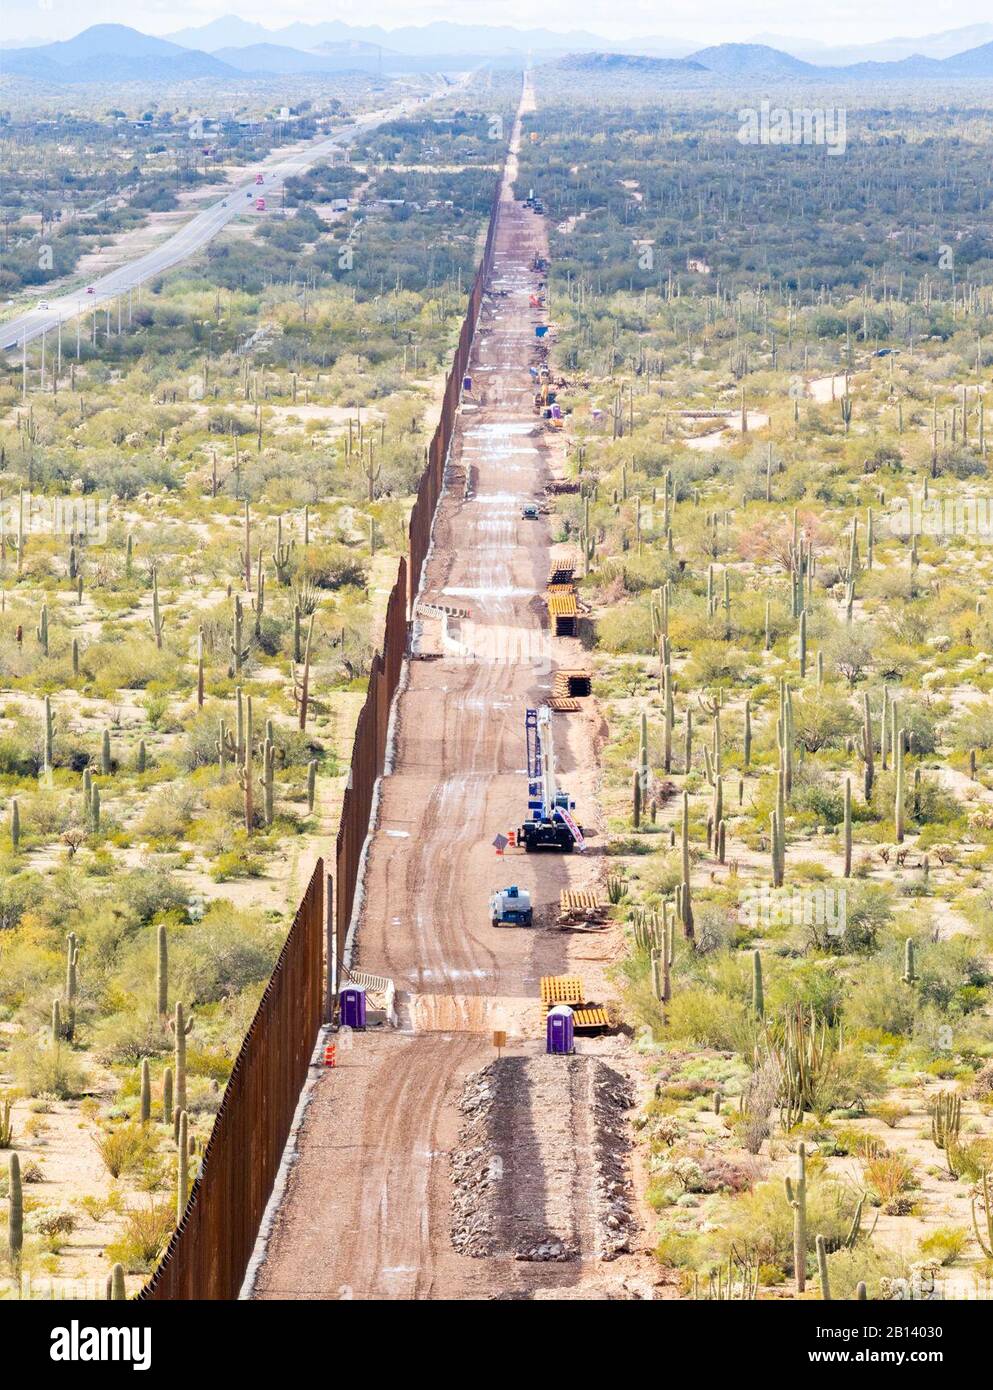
(467, 383)
(352, 1001)
(558, 1030)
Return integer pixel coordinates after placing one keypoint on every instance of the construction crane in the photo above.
(550, 824)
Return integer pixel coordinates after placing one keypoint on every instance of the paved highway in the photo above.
(195, 234)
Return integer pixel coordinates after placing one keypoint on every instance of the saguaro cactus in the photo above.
(909, 976)
(268, 779)
(145, 1092)
(72, 981)
(822, 1264)
(802, 642)
(303, 690)
(867, 746)
(776, 849)
(157, 620)
(246, 553)
(686, 904)
(758, 993)
(182, 1166)
(239, 648)
(282, 556)
(946, 1122)
(162, 972)
(48, 728)
(717, 810)
(181, 1026)
(15, 1220)
(848, 827)
(259, 596)
(898, 792)
(796, 1195)
(248, 771)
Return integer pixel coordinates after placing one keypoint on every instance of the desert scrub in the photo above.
(760, 1222)
(125, 1148)
(236, 863)
(887, 1176)
(945, 1244)
(53, 1224)
(704, 1018)
(891, 1112)
(47, 1068)
(870, 1263)
(144, 1235)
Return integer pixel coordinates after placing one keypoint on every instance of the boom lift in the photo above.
(511, 907)
(550, 824)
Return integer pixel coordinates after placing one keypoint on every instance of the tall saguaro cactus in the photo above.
(181, 1027)
(15, 1217)
(182, 1166)
(796, 1195)
(162, 972)
(758, 994)
(72, 984)
(867, 746)
(49, 735)
(685, 900)
(157, 620)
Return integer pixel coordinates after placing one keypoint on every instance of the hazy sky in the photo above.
(716, 21)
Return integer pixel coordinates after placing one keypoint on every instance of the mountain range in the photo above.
(116, 53)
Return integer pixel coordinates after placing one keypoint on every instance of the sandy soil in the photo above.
(378, 1223)
(716, 439)
(827, 388)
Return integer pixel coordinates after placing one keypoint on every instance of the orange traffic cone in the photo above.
(330, 1055)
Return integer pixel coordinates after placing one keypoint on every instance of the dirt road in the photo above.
(367, 1210)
